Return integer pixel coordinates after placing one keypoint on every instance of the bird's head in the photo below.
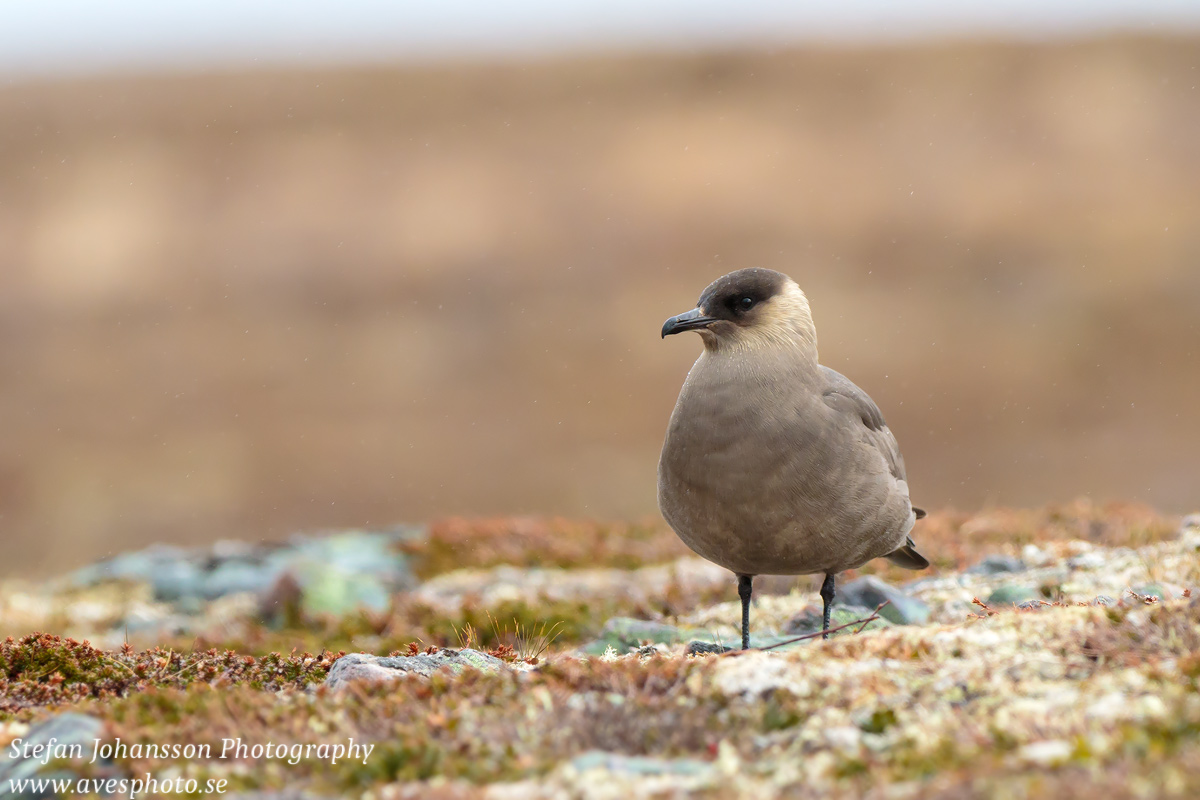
(749, 309)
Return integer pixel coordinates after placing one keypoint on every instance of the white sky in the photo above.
(80, 36)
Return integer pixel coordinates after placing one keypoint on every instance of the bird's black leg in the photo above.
(827, 589)
(745, 588)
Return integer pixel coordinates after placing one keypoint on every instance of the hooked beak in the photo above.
(687, 321)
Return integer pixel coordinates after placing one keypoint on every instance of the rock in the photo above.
(809, 620)
(176, 579)
(1103, 600)
(1032, 605)
(1012, 595)
(650, 651)
(1035, 556)
(364, 667)
(1046, 753)
(1151, 590)
(869, 592)
(66, 730)
(236, 549)
(632, 632)
(639, 765)
(997, 564)
(1191, 523)
(698, 648)
(1091, 559)
(371, 553)
(758, 641)
(330, 589)
(235, 576)
(153, 622)
(336, 572)
(140, 565)
(625, 633)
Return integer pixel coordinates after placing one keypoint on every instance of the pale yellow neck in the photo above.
(785, 323)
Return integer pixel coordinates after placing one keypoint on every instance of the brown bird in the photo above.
(774, 464)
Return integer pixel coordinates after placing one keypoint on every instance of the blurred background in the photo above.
(280, 266)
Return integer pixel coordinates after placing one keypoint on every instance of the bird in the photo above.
(774, 464)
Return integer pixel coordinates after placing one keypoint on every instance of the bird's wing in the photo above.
(842, 395)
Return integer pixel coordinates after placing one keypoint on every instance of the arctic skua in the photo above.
(774, 464)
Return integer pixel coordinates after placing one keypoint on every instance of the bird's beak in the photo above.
(688, 321)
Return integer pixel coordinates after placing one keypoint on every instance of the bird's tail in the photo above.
(908, 557)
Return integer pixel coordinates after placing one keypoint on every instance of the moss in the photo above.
(473, 726)
(880, 720)
(851, 767)
(481, 728)
(778, 715)
(46, 670)
(963, 736)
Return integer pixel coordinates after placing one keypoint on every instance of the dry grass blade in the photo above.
(468, 637)
(530, 645)
(187, 667)
(117, 662)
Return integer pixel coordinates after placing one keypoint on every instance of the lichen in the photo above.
(1065, 698)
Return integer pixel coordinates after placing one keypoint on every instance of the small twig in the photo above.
(860, 622)
(987, 612)
(874, 615)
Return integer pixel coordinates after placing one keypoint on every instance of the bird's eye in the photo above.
(745, 303)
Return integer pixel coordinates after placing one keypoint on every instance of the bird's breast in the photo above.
(762, 481)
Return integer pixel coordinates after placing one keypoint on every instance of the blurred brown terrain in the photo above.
(241, 305)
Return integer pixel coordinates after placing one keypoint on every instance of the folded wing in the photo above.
(841, 394)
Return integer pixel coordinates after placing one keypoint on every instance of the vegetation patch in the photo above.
(462, 543)
(43, 670)
(1059, 696)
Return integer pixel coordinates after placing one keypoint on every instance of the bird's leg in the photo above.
(827, 589)
(745, 588)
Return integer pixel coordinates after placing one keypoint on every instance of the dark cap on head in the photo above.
(730, 299)
(756, 283)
